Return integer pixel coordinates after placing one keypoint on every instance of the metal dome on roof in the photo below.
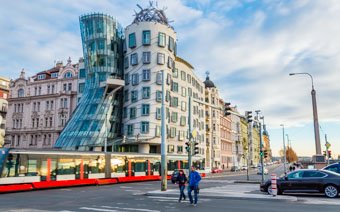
(208, 83)
(151, 14)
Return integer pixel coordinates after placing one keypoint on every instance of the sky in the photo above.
(248, 46)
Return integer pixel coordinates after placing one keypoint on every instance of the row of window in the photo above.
(146, 40)
(18, 108)
(47, 140)
(134, 94)
(67, 75)
(146, 59)
(17, 123)
(188, 78)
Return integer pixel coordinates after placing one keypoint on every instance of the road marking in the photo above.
(175, 199)
(126, 187)
(131, 209)
(97, 209)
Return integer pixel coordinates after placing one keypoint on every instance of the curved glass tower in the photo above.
(97, 118)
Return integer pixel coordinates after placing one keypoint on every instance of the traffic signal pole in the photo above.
(164, 168)
(190, 143)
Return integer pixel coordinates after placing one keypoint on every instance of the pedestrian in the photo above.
(181, 180)
(194, 179)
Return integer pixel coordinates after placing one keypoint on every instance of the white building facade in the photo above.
(40, 106)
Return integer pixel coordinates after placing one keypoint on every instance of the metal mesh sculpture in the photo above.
(151, 14)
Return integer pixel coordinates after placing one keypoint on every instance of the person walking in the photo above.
(181, 180)
(194, 179)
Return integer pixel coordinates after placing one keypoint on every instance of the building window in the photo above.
(52, 105)
(144, 127)
(54, 75)
(174, 102)
(134, 59)
(158, 113)
(189, 78)
(158, 131)
(145, 109)
(41, 76)
(184, 92)
(134, 96)
(69, 87)
(160, 58)
(159, 78)
(146, 37)
(170, 62)
(171, 44)
(126, 95)
(183, 121)
(146, 92)
(130, 129)
(68, 75)
(51, 121)
(81, 87)
(161, 39)
(172, 132)
(146, 57)
(174, 117)
(179, 149)
(127, 79)
(158, 96)
(126, 62)
(21, 92)
(82, 73)
(132, 113)
(135, 79)
(175, 73)
(146, 74)
(52, 91)
(171, 148)
(47, 105)
(183, 76)
(132, 40)
(174, 87)
(183, 106)
(64, 87)
(124, 112)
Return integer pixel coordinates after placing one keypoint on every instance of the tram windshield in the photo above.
(3, 153)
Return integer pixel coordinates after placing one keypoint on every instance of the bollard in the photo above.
(274, 185)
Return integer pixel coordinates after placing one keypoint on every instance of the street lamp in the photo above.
(261, 144)
(315, 115)
(284, 148)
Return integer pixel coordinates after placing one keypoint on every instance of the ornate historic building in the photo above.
(40, 106)
(4, 92)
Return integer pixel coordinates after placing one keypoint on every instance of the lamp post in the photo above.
(284, 148)
(164, 168)
(261, 149)
(315, 115)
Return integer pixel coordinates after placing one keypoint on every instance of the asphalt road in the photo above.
(131, 197)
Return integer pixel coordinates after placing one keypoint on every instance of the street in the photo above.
(132, 197)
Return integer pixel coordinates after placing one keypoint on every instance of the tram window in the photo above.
(118, 165)
(97, 165)
(32, 168)
(11, 167)
(140, 166)
(66, 166)
(172, 165)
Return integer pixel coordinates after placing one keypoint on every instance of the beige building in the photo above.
(40, 106)
(213, 110)
(4, 92)
(227, 158)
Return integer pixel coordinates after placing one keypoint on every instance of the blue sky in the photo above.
(249, 47)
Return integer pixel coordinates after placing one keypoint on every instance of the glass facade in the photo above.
(99, 110)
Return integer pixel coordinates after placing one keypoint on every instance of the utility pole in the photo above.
(249, 120)
(164, 168)
(261, 144)
(284, 148)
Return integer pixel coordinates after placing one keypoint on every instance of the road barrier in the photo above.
(274, 184)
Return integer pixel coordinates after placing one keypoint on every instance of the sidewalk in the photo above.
(231, 191)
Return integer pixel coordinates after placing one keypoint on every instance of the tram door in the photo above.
(149, 167)
(49, 169)
(82, 169)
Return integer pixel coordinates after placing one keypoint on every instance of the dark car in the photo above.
(174, 176)
(307, 181)
(335, 167)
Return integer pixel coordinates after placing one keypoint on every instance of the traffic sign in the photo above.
(327, 145)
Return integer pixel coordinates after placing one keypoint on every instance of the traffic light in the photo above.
(329, 154)
(187, 148)
(249, 116)
(227, 109)
(324, 153)
(195, 149)
(265, 155)
(261, 153)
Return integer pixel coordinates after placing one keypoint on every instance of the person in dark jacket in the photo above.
(194, 179)
(181, 180)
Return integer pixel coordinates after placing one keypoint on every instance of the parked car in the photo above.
(307, 181)
(244, 168)
(216, 170)
(235, 168)
(335, 167)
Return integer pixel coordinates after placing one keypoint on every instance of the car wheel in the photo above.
(270, 190)
(331, 191)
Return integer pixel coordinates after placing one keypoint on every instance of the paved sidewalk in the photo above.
(231, 191)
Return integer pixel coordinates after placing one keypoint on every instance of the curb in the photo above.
(264, 198)
(247, 182)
